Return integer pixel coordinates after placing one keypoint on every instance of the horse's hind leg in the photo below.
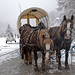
(43, 61)
(35, 58)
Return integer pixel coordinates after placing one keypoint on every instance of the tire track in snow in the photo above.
(8, 52)
(9, 56)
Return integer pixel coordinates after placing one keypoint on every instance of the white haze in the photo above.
(10, 10)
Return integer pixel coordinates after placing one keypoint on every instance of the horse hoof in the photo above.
(67, 67)
(43, 69)
(30, 62)
(60, 67)
(26, 63)
(36, 69)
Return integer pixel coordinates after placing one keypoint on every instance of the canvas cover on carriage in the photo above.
(34, 12)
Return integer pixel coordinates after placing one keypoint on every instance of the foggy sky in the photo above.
(10, 9)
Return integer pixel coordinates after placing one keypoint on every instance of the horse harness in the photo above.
(28, 41)
(62, 37)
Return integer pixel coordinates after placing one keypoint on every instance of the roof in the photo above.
(33, 12)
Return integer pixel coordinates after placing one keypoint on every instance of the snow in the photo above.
(8, 50)
(5, 48)
(53, 68)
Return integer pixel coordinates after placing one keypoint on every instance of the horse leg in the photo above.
(66, 60)
(35, 58)
(26, 57)
(59, 60)
(43, 61)
(57, 53)
(30, 58)
(54, 52)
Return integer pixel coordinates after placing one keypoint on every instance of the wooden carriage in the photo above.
(33, 13)
(38, 14)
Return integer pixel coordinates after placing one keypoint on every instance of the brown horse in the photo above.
(34, 39)
(62, 37)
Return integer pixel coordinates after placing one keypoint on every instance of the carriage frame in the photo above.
(33, 13)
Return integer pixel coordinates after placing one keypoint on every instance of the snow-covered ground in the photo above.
(11, 50)
(8, 47)
(8, 50)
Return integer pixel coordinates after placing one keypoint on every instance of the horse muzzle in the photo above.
(67, 37)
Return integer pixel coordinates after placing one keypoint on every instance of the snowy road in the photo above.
(7, 50)
(12, 64)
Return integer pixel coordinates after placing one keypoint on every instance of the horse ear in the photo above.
(64, 17)
(43, 36)
(72, 17)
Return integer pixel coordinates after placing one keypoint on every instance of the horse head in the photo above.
(45, 42)
(66, 27)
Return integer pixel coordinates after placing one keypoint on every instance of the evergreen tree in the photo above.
(9, 31)
(66, 7)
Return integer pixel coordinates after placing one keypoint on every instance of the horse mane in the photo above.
(41, 26)
(25, 26)
(43, 31)
(40, 35)
(60, 28)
